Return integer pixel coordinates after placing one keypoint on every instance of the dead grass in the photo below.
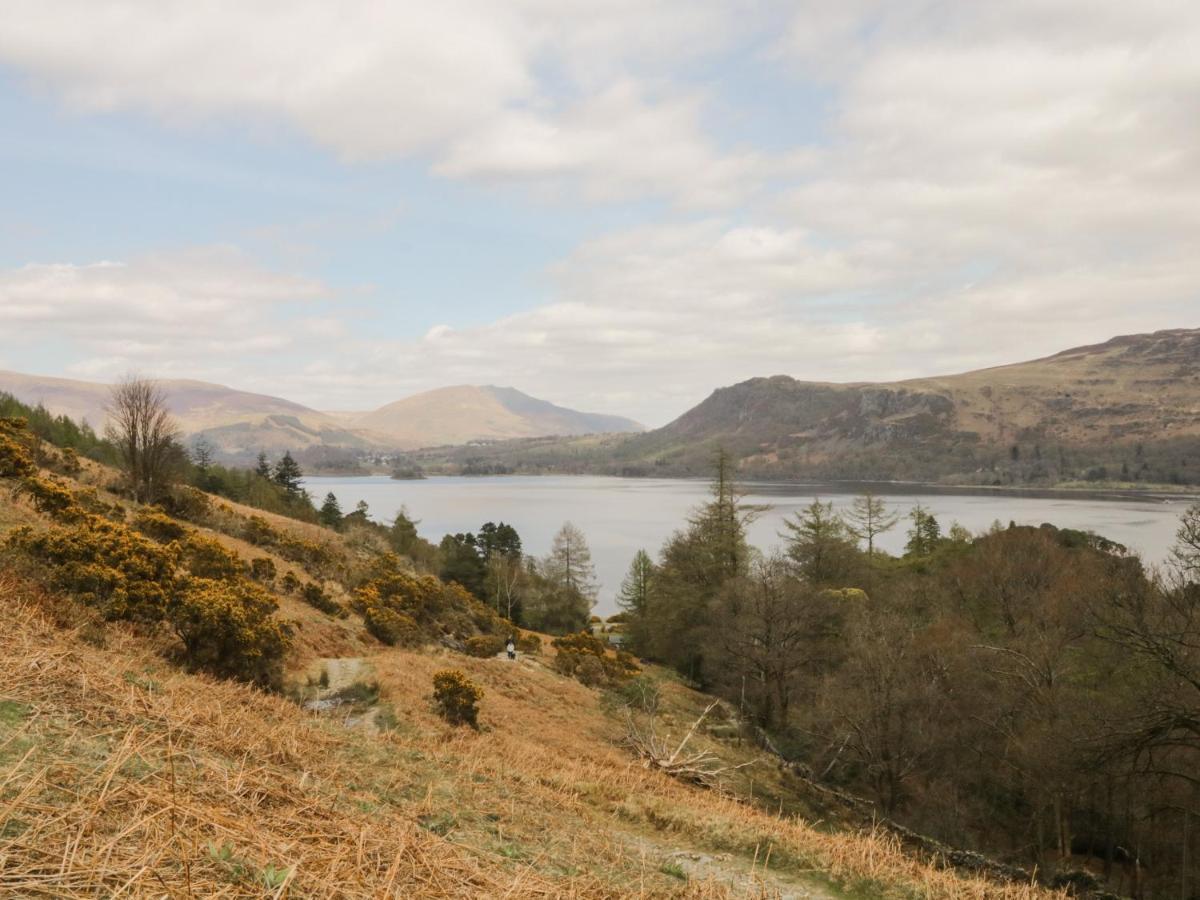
(122, 776)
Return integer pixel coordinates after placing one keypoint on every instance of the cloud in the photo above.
(994, 182)
(481, 89)
(180, 312)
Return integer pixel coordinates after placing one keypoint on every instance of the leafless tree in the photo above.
(145, 435)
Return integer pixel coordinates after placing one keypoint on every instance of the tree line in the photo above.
(1030, 692)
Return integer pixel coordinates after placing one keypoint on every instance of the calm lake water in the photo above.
(621, 515)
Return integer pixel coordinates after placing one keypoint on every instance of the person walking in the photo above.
(511, 647)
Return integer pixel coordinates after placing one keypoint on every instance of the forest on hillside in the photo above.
(1028, 692)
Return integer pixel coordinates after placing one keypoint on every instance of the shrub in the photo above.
(289, 583)
(16, 448)
(642, 694)
(484, 646)
(529, 643)
(228, 628)
(314, 595)
(263, 569)
(589, 670)
(70, 461)
(580, 654)
(258, 530)
(89, 500)
(391, 627)
(205, 557)
(457, 697)
(49, 495)
(189, 503)
(105, 564)
(154, 523)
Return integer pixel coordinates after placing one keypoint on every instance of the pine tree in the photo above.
(925, 533)
(331, 512)
(288, 475)
(403, 534)
(634, 595)
(819, 544)
(263, 468)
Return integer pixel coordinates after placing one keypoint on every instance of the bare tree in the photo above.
(570, 563)
(145, 435)
(869, 517)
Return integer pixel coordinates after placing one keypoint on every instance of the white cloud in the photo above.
(998, 181)
(520, 89)
(181, 312)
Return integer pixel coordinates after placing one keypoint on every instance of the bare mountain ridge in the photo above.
(1134, 389)
(240, 422)
(1126, 410)
(464, 413)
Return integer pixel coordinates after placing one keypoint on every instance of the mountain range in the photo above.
(240, 424)
(1126, 410)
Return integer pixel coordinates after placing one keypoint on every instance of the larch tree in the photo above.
(145, 434)
(869, 517)
(569, 564)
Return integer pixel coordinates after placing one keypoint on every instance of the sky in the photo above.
(615, 206)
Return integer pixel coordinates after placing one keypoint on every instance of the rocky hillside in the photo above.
(1127, 409)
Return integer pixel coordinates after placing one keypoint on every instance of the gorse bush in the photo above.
(262, 569)
(49, 495)
(105, 564)
(529, 643)
(206, 557)
(228, 628)
(400, 607)
(457, 697)
(314, 595)
(157, 571)
(154, 523)
(484, 646)
(315, 557)
(391, 627)
(16, 450)
(587, 658)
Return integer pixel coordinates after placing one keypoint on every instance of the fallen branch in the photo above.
(702, 767)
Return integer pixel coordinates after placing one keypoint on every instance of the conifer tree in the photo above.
(263, 468)
(287, 474)
(925, 533)
(634, 595)
(819, 544)
(331, 512)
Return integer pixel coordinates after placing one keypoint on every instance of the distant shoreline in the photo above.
(1155, 493)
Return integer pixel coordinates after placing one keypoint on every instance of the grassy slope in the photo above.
(120, 773)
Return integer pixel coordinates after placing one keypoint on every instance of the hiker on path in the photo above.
(511, 647)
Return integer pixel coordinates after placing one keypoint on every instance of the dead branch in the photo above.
(702, 767)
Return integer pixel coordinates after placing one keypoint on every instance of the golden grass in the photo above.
(122, 776)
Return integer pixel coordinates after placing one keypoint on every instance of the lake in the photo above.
(621, 515)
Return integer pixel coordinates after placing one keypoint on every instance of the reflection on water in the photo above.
(621, 515)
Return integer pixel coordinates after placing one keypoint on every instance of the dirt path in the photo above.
(744, 877)
(343, 672)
